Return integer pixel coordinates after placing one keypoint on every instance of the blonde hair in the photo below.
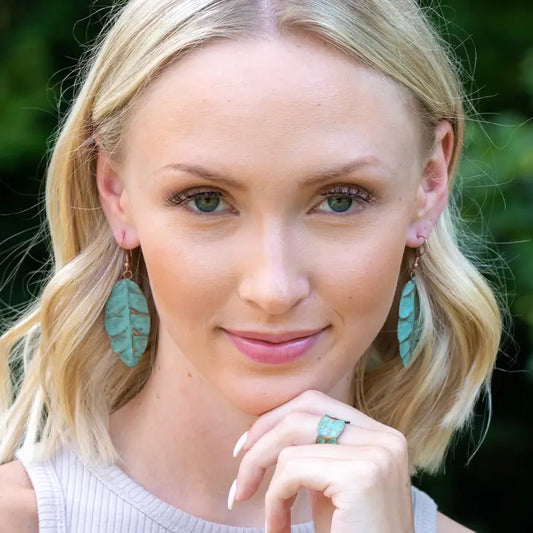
(59, 378)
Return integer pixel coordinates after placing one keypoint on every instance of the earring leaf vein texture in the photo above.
(127, 321)
(406, 321)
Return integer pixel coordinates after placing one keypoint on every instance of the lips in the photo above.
(274, 337)
(274, 348)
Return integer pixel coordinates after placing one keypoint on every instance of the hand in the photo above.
(360, 485)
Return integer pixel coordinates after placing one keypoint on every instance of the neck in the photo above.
(176, 439)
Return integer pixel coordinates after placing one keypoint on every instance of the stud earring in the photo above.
(407, 337)
(127, 320)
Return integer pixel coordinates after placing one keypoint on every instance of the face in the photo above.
(273, 187)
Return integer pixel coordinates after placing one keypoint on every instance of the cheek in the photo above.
(361, 283)
(187, 280)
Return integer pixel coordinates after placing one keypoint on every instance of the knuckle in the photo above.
(398, 446)
(382, 461)
(311, 396)
(372, 474)
(377, 467)
(285, 456)
(291, 421)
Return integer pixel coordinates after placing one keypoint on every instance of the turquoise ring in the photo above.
(330, 429)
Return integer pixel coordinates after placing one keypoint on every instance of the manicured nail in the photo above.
(240, 443)
(231, 495)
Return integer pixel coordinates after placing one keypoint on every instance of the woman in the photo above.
(272, 179)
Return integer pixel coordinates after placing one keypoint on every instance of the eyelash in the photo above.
(355, 193)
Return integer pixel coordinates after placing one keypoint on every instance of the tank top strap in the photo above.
(425, 512)
(50, 501)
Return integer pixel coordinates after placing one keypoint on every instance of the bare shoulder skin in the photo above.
(447, 525)
(18, 505)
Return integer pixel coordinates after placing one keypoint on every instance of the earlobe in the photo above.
(113, 199)
(432, 193)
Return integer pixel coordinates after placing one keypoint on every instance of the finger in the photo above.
(291, 476)
(311, 402)
(362, 489)
(299, 429)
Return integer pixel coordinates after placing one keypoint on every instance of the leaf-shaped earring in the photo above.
(407, 337)
(127, 320)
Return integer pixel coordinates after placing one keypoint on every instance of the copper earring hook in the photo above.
(127, 273)
(420, 251)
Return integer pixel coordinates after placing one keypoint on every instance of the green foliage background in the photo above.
(40, 42)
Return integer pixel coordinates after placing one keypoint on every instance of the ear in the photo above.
(432, 193)
(114, 200)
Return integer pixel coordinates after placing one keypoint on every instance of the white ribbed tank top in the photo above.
(75, 498)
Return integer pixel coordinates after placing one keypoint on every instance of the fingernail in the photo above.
(240, 443)
(231, 495)
(266, 525)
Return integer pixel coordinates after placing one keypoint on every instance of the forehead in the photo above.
(284, 96)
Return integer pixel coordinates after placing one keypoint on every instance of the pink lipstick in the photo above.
(274, 348)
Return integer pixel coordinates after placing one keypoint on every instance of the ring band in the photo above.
(330, 429)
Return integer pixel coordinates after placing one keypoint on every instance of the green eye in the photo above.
(207, 202)
(344, 198)
(199, 201)
(339, 204)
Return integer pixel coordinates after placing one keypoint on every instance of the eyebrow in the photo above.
(324, 175)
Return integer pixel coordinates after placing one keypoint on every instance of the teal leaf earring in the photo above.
(407, 337)
(127, 320)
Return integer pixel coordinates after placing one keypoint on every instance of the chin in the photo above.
(259, 404)
(259, 399)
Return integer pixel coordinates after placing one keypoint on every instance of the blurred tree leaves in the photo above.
(34, 36)
(497, 179)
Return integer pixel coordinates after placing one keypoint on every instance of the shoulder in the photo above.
(18, 504)
(447, 525)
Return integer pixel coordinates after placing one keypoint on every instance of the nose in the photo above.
(274, 280)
